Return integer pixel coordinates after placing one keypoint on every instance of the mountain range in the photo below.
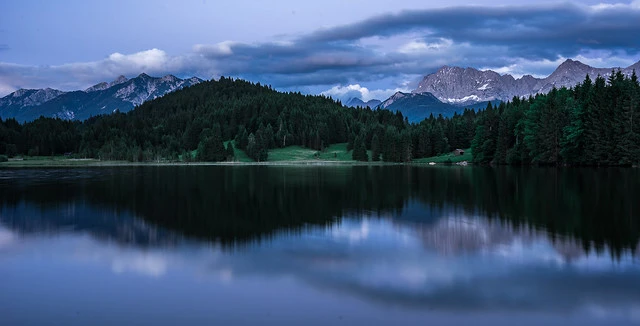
(451, 89)
(355, 102)
(464, 86)
(121, 94)
(448, 90)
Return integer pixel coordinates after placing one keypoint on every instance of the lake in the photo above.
(319, 245)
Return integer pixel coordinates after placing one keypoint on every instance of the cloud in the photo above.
(420, 46)
(344, 93)
(562, 29)
(221, 49)
(511, 39)
(153, 61)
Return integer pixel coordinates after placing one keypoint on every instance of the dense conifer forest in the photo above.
(595, 123)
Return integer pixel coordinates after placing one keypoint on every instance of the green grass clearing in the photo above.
(335, 152)
(449, 157)
(291, 153)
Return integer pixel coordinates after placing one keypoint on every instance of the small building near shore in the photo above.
(458, 152)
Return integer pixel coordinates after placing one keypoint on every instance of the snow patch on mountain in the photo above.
(466, 99)
(66, 115)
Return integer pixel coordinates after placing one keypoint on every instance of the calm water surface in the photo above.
(393, 245)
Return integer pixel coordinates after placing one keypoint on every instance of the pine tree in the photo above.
(483, 145)
(375, 148)
(242, 138)
(359, 150)
(253, 149)
(230, 152)
(390, 145)
(406, 148)
(351, 142)
(211, 149)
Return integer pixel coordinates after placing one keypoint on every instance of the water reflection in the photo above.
(237, 204)
(464, 235)
(447, 245)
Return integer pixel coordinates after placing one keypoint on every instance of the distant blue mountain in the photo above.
(355, 102)
(419, 106)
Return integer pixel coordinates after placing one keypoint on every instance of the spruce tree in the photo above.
(375, 148)
(211, 149)
(359, 150)
(230, 152)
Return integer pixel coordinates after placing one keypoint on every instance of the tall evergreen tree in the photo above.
(359, 150)
(375, 148)
(230, 152)
(211, 149)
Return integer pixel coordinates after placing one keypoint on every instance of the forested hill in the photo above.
(259, 118)
(595, 123)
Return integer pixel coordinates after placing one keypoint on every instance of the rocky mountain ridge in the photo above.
(463, 86)
(121, 94)
(355, 102)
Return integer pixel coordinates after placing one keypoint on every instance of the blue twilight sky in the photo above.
(343, 48)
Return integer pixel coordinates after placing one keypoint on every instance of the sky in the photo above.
(341, 48)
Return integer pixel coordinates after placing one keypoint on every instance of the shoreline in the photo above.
(82, 163)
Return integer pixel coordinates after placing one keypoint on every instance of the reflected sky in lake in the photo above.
(78, 261)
